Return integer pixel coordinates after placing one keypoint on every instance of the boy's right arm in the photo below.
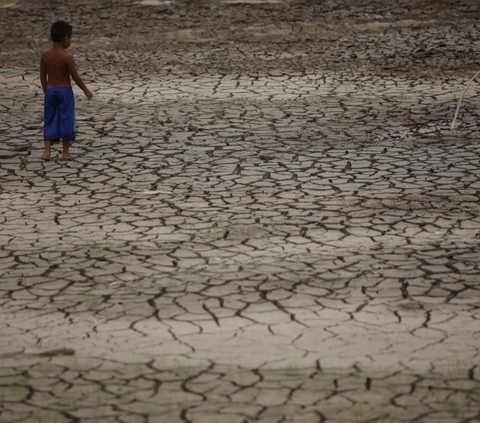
(43, 75)
(76, 77)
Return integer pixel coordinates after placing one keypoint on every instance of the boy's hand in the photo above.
(89, 94)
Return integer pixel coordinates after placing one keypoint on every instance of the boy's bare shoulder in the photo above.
(51, 52)
(46, 53)
(67, 57)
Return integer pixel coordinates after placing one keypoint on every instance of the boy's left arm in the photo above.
(76, 77)
(43, 75)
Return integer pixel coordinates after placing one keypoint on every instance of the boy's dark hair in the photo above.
(60, 30)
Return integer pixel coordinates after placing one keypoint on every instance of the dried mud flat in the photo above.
(269, 218)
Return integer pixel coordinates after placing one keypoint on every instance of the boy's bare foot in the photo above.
(46, 151)
(66, 150)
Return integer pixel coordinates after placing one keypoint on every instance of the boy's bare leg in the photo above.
(46, 154)
(66, 150)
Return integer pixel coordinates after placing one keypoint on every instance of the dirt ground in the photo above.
(268, 219)
(398, 38)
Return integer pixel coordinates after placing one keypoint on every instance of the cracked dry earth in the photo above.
(268, 219)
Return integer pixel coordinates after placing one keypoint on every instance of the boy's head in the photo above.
(60, 30)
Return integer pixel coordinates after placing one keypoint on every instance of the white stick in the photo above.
(461, 98)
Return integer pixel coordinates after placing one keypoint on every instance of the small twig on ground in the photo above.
(50, 353)
(461, 98)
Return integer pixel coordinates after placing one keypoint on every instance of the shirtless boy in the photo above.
(56, 67)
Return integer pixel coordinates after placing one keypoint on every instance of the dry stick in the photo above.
(461, 98)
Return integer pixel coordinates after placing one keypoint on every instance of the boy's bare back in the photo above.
(57, 62)
(56, 66)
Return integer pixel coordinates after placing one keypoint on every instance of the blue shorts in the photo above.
(59, 117)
